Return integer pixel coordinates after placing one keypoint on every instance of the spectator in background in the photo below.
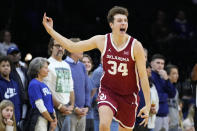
(194, 79)
(183, 32)
(40, 97)
(9, 88)
(181, 26)
(19, 74)
(173, 103)
(180, 115)
(146, 54)
(81, 89)
(165, 90)
(187, 93)
(5, 42)
(15, 55)
(87, 60)
(96, 77)
(188, 123)
(160, 31)
(7, 117)
(60, 82)
(154, 100)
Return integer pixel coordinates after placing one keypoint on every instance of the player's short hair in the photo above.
(35, 65)
(116, 10)
(67, 53)
(157, 56)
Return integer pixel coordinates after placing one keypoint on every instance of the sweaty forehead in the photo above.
(120, 16)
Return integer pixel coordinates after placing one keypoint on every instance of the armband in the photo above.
(59, 107)
(40, 105)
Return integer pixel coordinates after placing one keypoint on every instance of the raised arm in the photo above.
(141, 67)
(66, 43)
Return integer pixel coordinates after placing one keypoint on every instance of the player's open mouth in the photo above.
(122, 30)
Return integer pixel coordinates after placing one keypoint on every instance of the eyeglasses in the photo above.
(57, 46)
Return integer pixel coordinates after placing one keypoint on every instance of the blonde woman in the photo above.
(7, 118)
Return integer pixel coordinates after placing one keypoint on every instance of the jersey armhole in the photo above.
(132, 46)
(105, 46)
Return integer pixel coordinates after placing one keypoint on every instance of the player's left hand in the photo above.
(47, 22)
(144, 113)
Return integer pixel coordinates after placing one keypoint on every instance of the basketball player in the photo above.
(123, 61)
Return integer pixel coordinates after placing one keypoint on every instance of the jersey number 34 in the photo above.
(115, 68)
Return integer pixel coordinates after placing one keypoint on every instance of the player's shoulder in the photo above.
(99, 37)
(138, 48)
(138, 44)
(99, 40)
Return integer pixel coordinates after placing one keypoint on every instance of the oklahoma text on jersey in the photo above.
(117, 58)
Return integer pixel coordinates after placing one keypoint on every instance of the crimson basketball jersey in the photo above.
(120, 73)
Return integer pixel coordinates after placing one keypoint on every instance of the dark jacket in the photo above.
(32, 118)
(165, 90)
(23, 89)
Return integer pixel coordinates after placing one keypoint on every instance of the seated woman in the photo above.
(40, 96)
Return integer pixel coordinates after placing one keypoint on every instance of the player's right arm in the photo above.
(141, 67)
(68, 44)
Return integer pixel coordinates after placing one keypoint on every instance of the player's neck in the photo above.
(119, 40)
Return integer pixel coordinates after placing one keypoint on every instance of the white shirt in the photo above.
(154, 99)
(59, 80)
(21, 74)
